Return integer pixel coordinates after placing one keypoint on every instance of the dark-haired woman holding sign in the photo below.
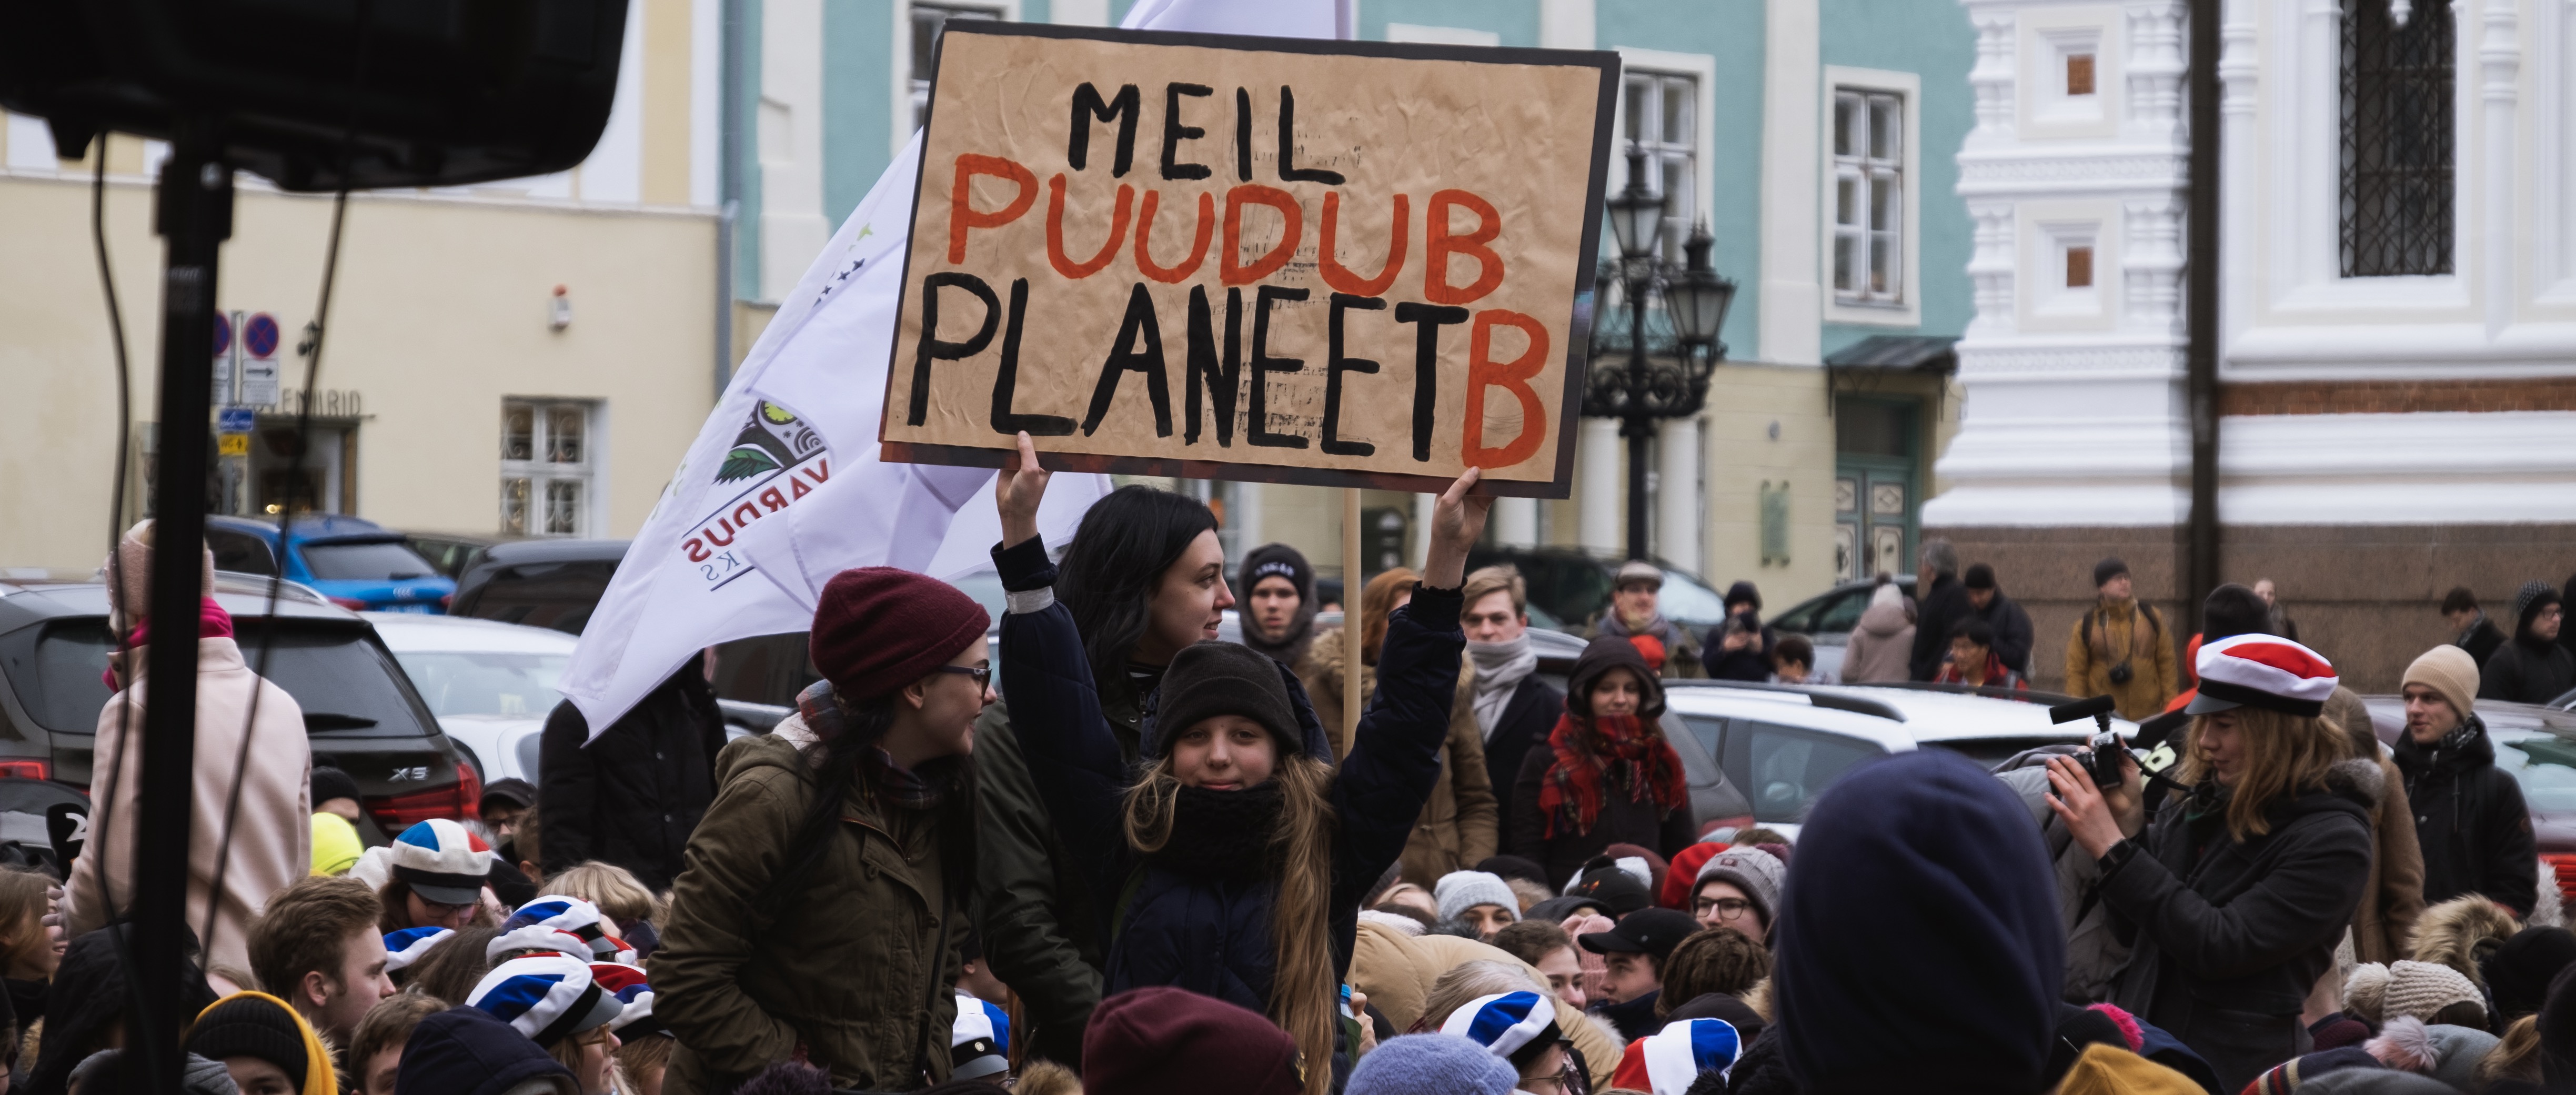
(1233, 864)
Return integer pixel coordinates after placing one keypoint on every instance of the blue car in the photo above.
(360, 565)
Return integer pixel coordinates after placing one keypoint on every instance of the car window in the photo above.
(2546, 768)
(1784, 768)
(342, 681)
(486, 682)
(1689, 602)
(1706, 728)
(240, 552)
(1840, 613)
(531, 746)
(377, 561)
(986, 587)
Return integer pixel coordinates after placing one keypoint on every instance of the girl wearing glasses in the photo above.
(822, 899)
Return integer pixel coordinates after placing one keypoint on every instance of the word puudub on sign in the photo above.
(1359, 263)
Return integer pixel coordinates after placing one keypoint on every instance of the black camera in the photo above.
(2121, 673)
(2104, 762)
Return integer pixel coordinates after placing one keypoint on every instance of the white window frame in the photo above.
(2048, 37)
(1904, 307)
(1681, 214)
(910, 95)
(543, 475)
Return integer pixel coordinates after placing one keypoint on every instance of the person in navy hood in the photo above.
(469, 1051)
(1919, 947)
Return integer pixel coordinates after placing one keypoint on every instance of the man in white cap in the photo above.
(2470, 818)
(1634, 614)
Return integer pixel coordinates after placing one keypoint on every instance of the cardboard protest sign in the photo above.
(1345, 263)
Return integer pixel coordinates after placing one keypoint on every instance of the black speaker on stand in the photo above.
(315, 96)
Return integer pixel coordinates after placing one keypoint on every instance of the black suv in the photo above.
(540, 583)
(360, 712)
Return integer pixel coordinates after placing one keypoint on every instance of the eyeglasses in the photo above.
(1727, 907)
(1566, 1080)
(983, 674)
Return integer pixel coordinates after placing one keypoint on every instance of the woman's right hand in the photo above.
(1018, 490)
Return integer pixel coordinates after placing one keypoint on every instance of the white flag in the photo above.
(783, 489)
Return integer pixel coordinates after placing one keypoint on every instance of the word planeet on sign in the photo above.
(1358, 261)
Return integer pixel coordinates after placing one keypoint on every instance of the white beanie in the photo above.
(1459, 891)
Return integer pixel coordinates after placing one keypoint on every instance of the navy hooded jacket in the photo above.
(469, 1051)
(1919, 946)
(1212, 935)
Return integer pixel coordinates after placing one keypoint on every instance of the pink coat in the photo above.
(272, 834)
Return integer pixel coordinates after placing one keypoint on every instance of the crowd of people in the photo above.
(1176, 864)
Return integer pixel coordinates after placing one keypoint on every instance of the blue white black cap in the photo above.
(1504, 1022)
(410, 945)
(442, 862)
(547, 997)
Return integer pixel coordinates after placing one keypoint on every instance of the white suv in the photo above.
(1781, 745)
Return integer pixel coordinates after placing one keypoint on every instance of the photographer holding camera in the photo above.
(2234, 896)
(2121, 648)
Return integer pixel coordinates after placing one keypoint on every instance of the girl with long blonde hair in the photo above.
(2237, 892)
(1233, 864)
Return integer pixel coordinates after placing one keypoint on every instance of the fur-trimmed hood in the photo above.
(2361, 779)
(2458, 932)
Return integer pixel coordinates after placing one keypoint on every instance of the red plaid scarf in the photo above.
(1633, 754)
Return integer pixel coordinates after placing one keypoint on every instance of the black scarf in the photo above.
(1222, 833)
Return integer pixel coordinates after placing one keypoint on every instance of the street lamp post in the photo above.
(1647, 389)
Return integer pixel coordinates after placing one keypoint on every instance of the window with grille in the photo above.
(1869, 197)
(2398, 93)
(548, 464)
(1663, 123)
(927, 19)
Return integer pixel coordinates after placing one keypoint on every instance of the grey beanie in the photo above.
(1756, 872)
(1459, 891)
(1218, 678)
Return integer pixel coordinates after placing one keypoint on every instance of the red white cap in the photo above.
(2264, 671)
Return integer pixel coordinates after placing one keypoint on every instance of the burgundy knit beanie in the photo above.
(878, 629)
(1169, 1041)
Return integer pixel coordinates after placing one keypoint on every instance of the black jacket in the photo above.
(1942, 609)
(1750, 664)
(2013, 635)
(1211, 934)
(1526, 722)
(2527, 670)
(1622, 821)
(2471, 822)
(2481, 640)
(632, 796)
(2228, 937)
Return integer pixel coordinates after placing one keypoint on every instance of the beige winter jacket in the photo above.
(1460, 822)
(272, 833)
(1877, 650)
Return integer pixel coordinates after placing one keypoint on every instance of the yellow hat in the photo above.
(336, 846)
(256, 1024)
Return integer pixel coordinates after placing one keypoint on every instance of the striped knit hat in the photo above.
(442, 862)
(2264, 671)
(1668, 1061)
(547, 997)
(410, 945)
(1515, 1026)
(570, 915)
(535, 939)
(635, 997)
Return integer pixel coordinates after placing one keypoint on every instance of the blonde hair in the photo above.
(1462, 983)
(649, 1055)
(2285, 754)
(567, 1052)
(2516, 1055)
(1487, 581)
(1303, 988)
(616, 891)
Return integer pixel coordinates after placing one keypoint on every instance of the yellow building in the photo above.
(531, 356)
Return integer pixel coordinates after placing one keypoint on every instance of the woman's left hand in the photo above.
(2093, 820)
(1457, 521)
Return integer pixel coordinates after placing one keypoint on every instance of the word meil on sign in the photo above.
(1342, 263)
